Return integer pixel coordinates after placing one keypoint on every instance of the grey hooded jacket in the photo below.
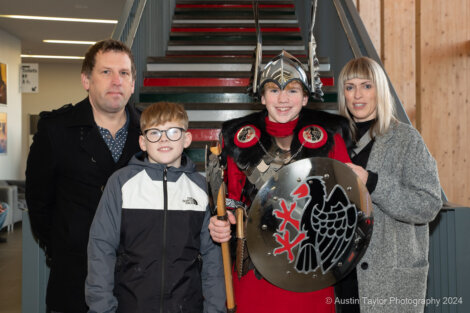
(149, 248)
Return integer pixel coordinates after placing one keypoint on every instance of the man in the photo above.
(74, 152)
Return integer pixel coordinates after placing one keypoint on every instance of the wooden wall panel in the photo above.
(425, 47)
(444, 79)
(370, 12)
(399, 51)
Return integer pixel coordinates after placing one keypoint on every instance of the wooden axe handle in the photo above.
(222, 214)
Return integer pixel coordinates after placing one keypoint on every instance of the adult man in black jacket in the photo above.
(74, 152)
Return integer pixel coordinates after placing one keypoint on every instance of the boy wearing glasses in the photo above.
(149, 247)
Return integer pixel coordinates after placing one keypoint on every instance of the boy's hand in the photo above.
(220, 230)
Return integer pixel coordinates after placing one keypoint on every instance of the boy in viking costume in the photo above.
(257, 146)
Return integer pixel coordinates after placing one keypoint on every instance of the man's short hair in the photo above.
(105, 46)
(162, 112)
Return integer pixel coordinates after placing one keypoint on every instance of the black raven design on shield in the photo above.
(329, 222)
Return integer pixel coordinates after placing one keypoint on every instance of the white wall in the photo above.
(10, 163)
(59, 84)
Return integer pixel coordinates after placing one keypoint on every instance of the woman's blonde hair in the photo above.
(366, 68)
(161, 112)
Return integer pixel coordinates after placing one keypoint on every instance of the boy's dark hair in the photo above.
(162, 112)
(105, 46)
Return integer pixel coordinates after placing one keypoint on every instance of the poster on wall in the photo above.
(3, 83)
(29, 77)
(3, 133)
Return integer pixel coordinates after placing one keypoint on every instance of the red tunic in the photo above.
(254, 295)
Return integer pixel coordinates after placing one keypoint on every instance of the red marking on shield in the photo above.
(286, 216)
(351, 257)
(302, 191)
(286, 245)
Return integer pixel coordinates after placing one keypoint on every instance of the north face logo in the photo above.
(190, 200)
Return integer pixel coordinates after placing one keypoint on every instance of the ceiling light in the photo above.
(73, 42)
(60, 19)
(41, 56)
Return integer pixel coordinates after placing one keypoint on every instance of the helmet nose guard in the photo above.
(282, 70)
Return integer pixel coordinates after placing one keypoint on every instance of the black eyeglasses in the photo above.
(155, 134)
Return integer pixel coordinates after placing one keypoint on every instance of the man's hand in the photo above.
(2, 209)
(360, 171)
(220, 230)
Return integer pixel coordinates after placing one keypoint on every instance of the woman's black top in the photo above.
(346, 290)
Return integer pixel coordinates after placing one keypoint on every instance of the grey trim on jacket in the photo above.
(392, 274)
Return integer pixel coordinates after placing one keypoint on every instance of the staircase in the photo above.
(209, 59)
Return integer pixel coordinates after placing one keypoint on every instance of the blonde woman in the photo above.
(401, 176)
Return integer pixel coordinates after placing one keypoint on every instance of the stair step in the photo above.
(233, 4)
(240, 42)
(211, 67)
(238, 55)
(216, 63)
(196, 82)
(295, 49)
(209, 97)
(218, 59)
(209, 89)
(205, 125)
(210, 82)
(207, 134)
(207, 21)
(230, 28)
(200, 74)
(195, 154)
(208, 74)
(232, 12)
(214, 107)
(241, 38)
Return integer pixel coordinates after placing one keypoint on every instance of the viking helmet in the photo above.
(282, 70)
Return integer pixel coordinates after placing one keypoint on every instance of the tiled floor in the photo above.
(10, 271)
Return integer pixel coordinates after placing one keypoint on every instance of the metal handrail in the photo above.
(135, 23)
(119, 29)
(131, 19)
(259, 46)
(347, 29)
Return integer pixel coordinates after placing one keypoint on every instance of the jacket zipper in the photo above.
(165, 211)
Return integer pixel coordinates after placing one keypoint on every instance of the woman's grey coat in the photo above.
(393, 272)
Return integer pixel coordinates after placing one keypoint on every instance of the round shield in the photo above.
(309, 225)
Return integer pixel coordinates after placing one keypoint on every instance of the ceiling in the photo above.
(32, 32)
